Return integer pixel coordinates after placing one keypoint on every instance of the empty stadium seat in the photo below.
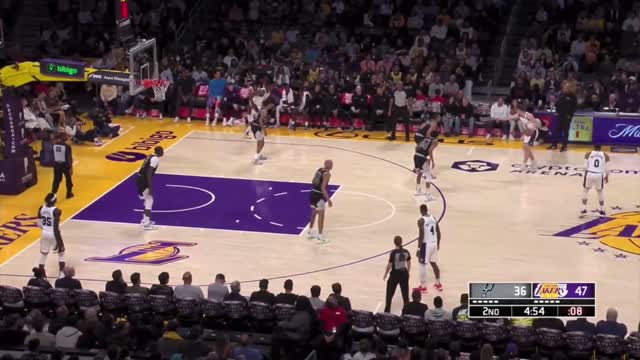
(609, 346)
(11, 298)
(86, 299)
(60, 297)
(388, 326)
(362, 324)
(36, 297)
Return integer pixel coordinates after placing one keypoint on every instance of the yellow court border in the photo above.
(94, 175)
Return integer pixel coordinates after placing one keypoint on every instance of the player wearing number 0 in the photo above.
(49, 221)
(596, 176)
(319, 198)
(428, 246)
(144, 183)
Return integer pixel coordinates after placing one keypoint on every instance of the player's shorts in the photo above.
(316, 200)
(419, 161)
(258, 132)
(47, 242)
(144, 194)
(428, 252)
(530, 139)
(592, 179)
(211, 101)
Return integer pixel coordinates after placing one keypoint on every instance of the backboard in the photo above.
(143, 64)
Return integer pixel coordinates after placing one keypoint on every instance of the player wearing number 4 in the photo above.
(428, 246)
(596, 176)
(49, 222)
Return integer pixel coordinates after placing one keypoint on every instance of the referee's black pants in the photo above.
(400, 113)
(60, 169)
(397, 277)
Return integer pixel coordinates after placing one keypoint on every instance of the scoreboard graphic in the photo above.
(530, 300)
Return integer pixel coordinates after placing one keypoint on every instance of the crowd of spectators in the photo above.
(301, 324)
(579, 43)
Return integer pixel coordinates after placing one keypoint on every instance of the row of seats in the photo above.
(261, 317)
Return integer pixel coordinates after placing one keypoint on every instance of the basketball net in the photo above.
(159, 88)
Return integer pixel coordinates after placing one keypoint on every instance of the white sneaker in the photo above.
(206, 122)
(224, 122)
(150, 222)
(176, 119)
(97, 142)
(504, 137)
(149, 226)
(312, 235)
(257, 162)
(429, 197)
(322, 239)
(189, 119)
(161, 118)
(488, 136)
(511, 137)
(419, 192)
(262, 157)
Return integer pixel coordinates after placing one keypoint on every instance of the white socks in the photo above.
(423, 274)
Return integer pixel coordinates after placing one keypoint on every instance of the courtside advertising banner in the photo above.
(581, 129)
(13, 130)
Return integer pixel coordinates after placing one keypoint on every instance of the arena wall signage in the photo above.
(62, 68)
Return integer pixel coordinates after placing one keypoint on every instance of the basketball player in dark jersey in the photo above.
(145, 185)
(319, 198)
(49, 222)
(259, 129)
(423, 160)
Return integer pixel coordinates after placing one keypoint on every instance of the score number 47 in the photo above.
(581, 290)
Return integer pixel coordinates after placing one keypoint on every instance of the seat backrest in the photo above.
(439, 327)
(283, 311)
(235, 309)
(578, 341)
(493, 331)
(550, 338)
(362, 319)
(610, 344)
(188, 307)
(10, 295)
(213, 309)
(387, 321)
(413, 324)
(111, 301)
(86, 298)
(161, 304)
(467, 329)
(36, 295)
(633, 347)
(136, 302)
(61, 297)
(522, 335)
(260, 311)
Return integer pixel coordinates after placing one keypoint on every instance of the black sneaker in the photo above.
(583, 213)
(69, 195)
(563, 149)
(552, 147)
(602, 213)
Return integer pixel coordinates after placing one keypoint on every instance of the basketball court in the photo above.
(218, 212)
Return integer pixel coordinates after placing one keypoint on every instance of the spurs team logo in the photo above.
(550, 291)
(475, 166)
(618, 231)
(151, 253)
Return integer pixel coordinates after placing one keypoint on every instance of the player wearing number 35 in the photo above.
(49, 221)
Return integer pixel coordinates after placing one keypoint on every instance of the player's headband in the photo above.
(53, 198)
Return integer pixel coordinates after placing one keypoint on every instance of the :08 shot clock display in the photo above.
(530, 300)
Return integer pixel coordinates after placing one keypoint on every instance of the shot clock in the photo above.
(530, 300)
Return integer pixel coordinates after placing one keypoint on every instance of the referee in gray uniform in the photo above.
(398, 269)
(62, 165)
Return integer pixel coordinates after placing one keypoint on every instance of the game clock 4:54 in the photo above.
(534, 311)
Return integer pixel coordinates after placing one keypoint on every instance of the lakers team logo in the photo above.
(151, 253)
(550, 291)
(618, 231)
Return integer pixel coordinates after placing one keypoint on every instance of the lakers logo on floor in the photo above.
(151, 253)
(618, 231)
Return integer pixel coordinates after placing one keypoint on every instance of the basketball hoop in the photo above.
(159, 88)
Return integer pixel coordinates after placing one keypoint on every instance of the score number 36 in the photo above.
(520, 291)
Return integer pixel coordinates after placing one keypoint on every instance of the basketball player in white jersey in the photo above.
(145, 185)
(319, 198)
(596, 176)
(49, 222)
(529, 135)
(256, 101)
(428, 246)
(423, 161)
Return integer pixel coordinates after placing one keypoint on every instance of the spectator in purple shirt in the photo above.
(611, 326)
